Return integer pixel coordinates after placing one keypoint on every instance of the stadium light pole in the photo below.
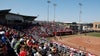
(54, 15)
(80, 15)
(48, 10)
(54, 18)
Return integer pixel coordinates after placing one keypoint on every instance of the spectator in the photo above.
(23, 51)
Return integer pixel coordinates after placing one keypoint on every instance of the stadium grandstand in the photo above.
(19, 37)
(15, 20)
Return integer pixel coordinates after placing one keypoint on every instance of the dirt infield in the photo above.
(87, 43)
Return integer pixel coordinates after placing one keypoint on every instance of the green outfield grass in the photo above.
(97, 34)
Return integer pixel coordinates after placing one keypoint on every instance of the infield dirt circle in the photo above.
(87, 43)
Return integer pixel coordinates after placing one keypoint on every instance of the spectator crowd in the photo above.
(29, 42)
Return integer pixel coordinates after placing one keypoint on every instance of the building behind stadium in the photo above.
(96, 26)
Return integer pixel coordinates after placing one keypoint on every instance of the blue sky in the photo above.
(66, 10)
